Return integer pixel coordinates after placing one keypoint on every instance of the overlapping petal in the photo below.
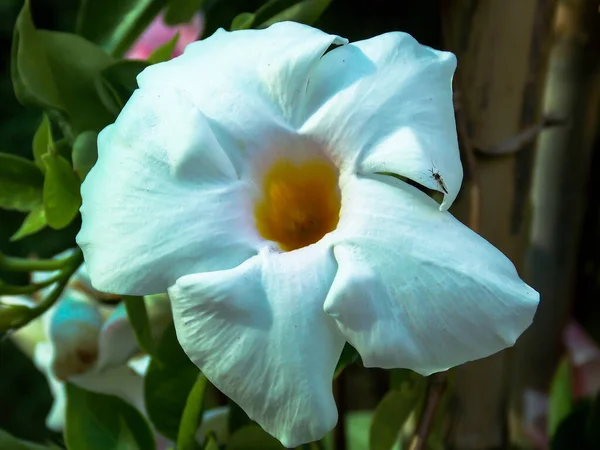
(259, 333)
(248, 83)
(417, 289)
(163, 200)
(385, 105)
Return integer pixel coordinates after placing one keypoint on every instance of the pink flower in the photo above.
(159, 33)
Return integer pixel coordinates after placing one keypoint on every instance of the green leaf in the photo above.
(57, 71)
(561, 396)
(253, 437)
(168, 382)
(116, 24)
(307, 12)
(61, 191)
(30, 71)
(103, 422)
(117, 83)
(405, 379)
(138, 317)
(211, 443)
(395, 408)
(42, 141)
(192, 415)
(9, 442)
(349, 355)
(165, 51)
(85, 153)
(358, 424)
(182, 11)
(34, 222)
(242, 21)
(21, 183)
(272, 8)
(13, 316)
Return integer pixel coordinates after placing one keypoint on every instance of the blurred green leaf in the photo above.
(395, 408)
(12, 317)
(349, 355)
(85, 153)
(57, 71)
(358, 425)
(242, 21)
(31, 74)
(211, 443)
(9, 442)
(138, 318)
(192, 415)
(253, 437)
(34, 222)
(561, 396)
(164, 52)
(307, 12)
(21, 183)
(219, 14)
(117, 83)
(116, 24)
(182, 11)
(61, 191)
(103, 422)
(126, 440)
(42, 140)
(167, 385)
(272, 8)
(405, 379)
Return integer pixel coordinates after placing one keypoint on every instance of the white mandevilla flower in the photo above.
(253, 178)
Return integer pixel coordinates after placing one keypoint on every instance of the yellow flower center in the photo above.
(300, 203)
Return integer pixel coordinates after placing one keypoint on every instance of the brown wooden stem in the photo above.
(435, 391)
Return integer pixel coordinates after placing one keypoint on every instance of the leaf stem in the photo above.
(11, 289)
(14, 264)
(70, 266)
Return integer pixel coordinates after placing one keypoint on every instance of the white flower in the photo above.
(256, 177)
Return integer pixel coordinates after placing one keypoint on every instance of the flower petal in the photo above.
(249, 82)
(259, 334)
(385, 105)
(163, 199)
(117, 342)
(42, 359)
(120, 381)
(417, 289)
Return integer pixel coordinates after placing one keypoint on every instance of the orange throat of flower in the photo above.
(300, 203)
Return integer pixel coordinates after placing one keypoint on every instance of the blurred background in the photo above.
(527, 93)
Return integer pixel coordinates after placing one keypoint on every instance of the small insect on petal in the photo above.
(439, 180)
